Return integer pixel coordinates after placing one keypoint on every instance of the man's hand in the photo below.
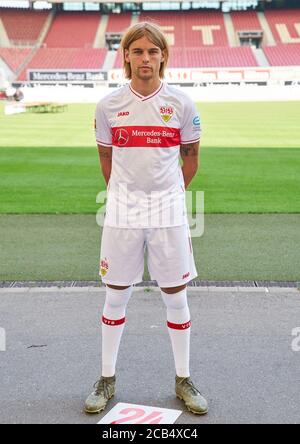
(189, 153)
(105, 156)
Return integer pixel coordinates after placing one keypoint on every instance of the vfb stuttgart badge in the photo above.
(103, 267)
(166, 113)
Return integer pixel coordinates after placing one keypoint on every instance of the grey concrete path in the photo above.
(242, 356)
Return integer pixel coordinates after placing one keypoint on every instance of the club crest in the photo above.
(166, 113)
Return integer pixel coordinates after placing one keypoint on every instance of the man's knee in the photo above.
(172, 290)
(117, 287)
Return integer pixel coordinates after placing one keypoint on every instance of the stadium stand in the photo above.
(118, 60)
(211, 57)
(205, 29)
(190, 28)
(197, 38)
(118, 23)
(23, 27)
(285, 25)
(194, 57)
(245, 21)
(14, 57)
(283, 55)
(66, 58)
(73, 30)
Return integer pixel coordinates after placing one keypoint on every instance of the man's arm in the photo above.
(189, 153)
(105, 156)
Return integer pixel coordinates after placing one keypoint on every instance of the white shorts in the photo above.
(169, 256)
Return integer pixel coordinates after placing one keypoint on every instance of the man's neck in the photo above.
(145, 88)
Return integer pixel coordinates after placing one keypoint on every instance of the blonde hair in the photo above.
(154, 34)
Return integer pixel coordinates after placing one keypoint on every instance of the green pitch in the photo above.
(249, 163)
(49, 162)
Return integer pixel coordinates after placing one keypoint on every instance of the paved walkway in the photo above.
(241, 354)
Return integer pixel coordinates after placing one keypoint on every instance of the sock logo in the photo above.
(112, 322)
(179, 326)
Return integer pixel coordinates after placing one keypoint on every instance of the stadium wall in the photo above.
(215, 93)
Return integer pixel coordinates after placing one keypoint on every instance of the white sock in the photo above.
(178, 321)
(113, 323)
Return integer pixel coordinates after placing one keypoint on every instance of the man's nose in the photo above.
(146, 56)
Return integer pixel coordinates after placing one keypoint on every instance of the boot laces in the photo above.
(101, 386)
(190, 386)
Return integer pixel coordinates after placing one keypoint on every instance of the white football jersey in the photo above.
(146, 186)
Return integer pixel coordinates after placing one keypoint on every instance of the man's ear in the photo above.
(126, 55)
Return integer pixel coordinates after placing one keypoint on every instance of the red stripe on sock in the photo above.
(113, 322)
(179, 326)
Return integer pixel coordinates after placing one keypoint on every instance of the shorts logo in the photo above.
(103, 267)
(186, 275)
(196, 121)
(121, 137)
(123, 113)
(166, 113)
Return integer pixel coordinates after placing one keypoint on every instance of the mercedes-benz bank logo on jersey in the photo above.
(121, 137)
(146, 137)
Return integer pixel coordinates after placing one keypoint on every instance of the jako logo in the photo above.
(296, 342)
(123, 113)
(2, 340)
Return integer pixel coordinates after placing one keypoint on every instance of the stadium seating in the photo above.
(66, 58)
(73, 30)
(283, 55)
(194, 57)
(191, 28)
(283, 25)
(245, 21)
(197, 38)
(118, 61)
(205, 29)
(118, 22)
(23, 27)
(211, 57)
(14, 57)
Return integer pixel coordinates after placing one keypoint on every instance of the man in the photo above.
(140, 130)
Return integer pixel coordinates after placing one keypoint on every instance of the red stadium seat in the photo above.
(283, 25)
(14, 57)
(283, 55)
(118, 22)
(23, 26)
(73, 30)
(197, 38)
(245, 21)
(66, 58)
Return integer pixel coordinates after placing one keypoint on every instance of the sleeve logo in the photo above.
(196, 121)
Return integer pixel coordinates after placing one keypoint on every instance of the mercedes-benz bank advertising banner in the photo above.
(66, 75)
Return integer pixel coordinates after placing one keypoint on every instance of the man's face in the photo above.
(145, 59)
